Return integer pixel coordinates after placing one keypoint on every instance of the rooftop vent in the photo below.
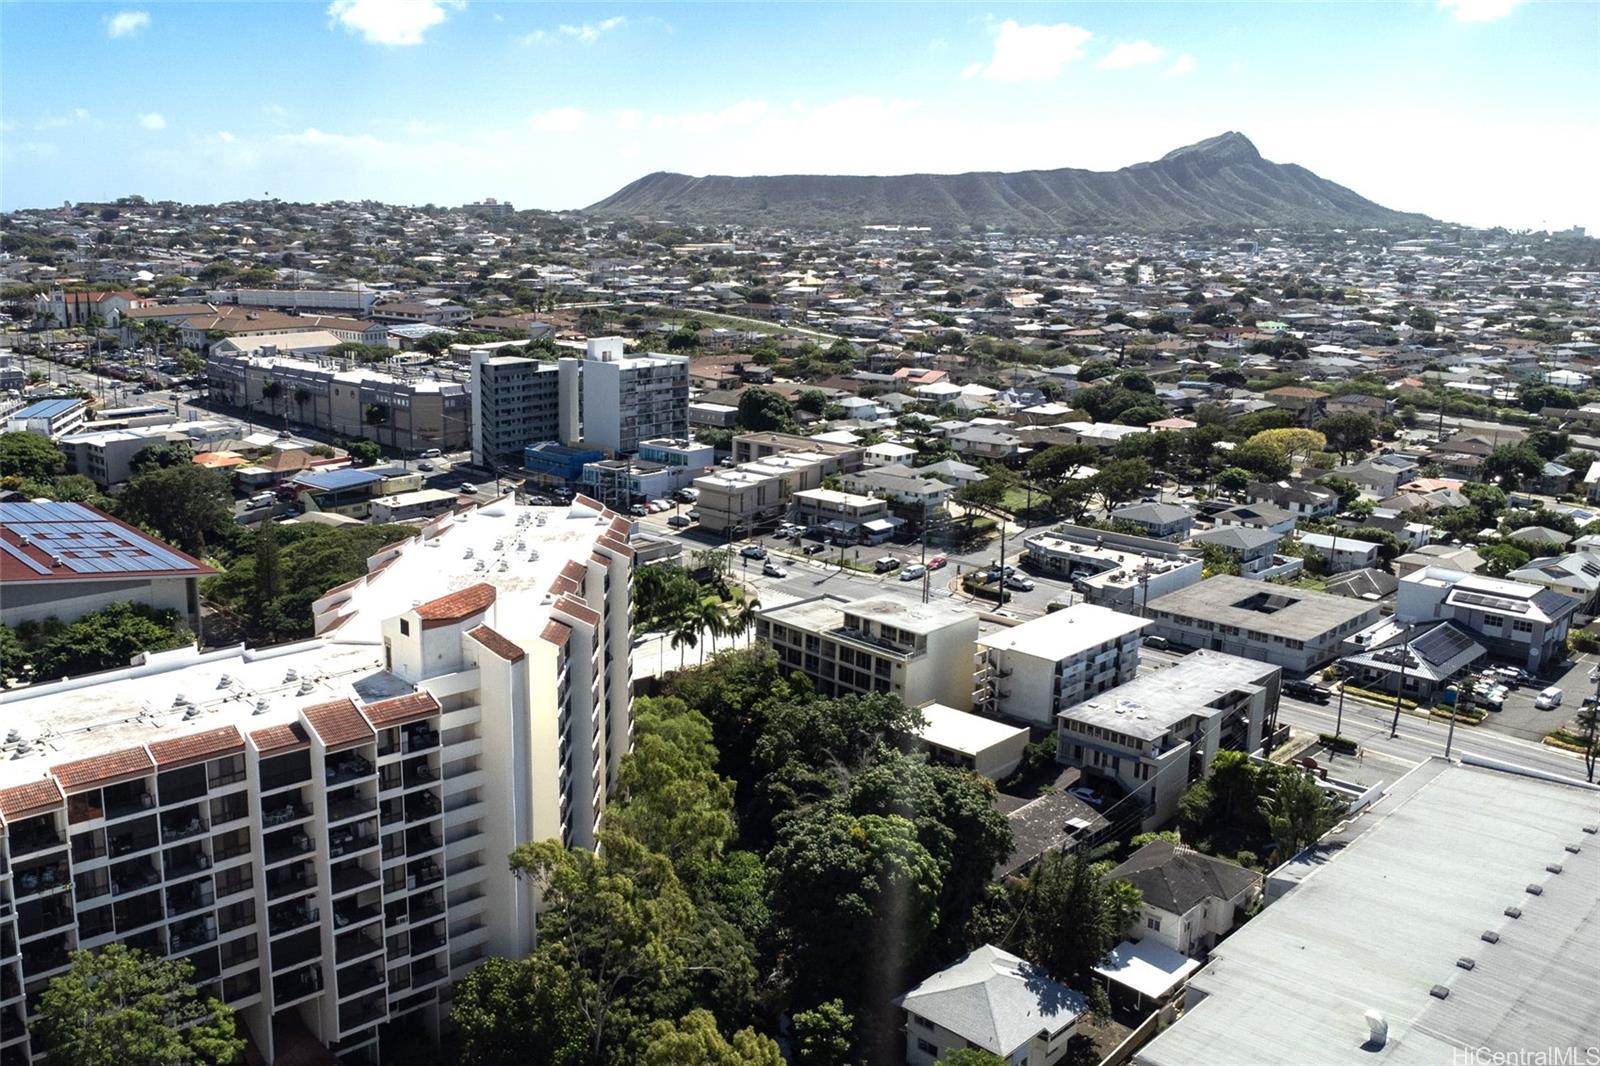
(1535, 890)
(1466, 962)
(1377, 1029)
(1513, 912)
(1574, 848)
(12, 736)
(1553, 868)
(1439, 992)
(261, 706)
(225, 681)
(291, 674)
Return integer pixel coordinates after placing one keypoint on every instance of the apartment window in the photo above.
(1522, 625)
(926, 1048)
(405, 627)
(1153, 924)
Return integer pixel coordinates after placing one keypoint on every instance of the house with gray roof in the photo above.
(1163, 521)
(994, 1000)
(1190, 900)
(1253, 549)
(1576, 575)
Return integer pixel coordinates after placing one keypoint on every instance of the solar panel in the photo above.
(22, 557)
(1442, 644)
(1499, 603)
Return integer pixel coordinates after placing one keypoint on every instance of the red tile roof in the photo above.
(584, 501)
(401, 709)
(457, 606)
(197, 747)
(279, 738)
(497, 643)
(337, 724)
(103, 769)
(557, 633)
(578, 609)
(563, 585)
(575, 570)
(621, 526)
(620, 547)
(20, 801)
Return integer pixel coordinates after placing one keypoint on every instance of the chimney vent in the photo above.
(1377, 1029)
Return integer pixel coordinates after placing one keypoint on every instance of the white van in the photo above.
(262, 499)
(433, 453)
(1549, 699)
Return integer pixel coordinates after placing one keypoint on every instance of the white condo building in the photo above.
(627, 399)
(1033, 671)
(321, 828)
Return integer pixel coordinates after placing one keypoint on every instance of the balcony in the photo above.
(353, 980)
(425, 907)
(239, 952)
(189, 897)
(292, 987)
(356, 944)
(135, 837)
(421, 806)
(296, 950)
(41, 878)
(421, 840)
(138, 912)
(346, 766)
(287, 844)
(350, 912)
(418, 772)
(186, 862)
(423, 873)
(348, 805)
(51, 912)
(33, 835)
(133, 876)
(187, 935)
(291, 880)
(182, 825)
(283, 814)
(349, 876)
(287, 917)
(427, 940)
(42, 956)
(127, 799)
(418, 737)
(428, 972)
(364, 1011)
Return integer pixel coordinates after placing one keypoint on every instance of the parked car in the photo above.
(433, 453)
(1549, 699)
(261, 499)
(425, 465)
(812, 549)
(1018, 583)
(470, 490)
(1305, 690)
(753, 551)
(772, 569)
(637, 510)
(1088, 795)
(1158, 643)
(886, 564)
(913, 573)
(678, 521)
(937, 562)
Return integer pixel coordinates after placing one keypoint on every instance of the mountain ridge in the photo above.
(1220, 181)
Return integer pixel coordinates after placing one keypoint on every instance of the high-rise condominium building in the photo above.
(322, 827)
(626, 399)
(516, 401)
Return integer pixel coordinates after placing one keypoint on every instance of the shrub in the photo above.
(1342, 744)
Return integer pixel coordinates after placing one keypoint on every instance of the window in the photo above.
(405, 627)
(1522, 625)
(1153, 924)
(927, 1048)
(925, 1023)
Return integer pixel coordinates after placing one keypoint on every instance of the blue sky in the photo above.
(1479, 111)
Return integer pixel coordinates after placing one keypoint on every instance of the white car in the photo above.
(753, 551)
(913, 572)
(1088, 795)
(468, 489)
(1549, 699)
(772, 569)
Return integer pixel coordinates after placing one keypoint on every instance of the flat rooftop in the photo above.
(1386, 915)
(1298, 614)
(521, 549)
(1057, 635)
(51, 542)
(825, 613)
(1151, 704)
(956, 730)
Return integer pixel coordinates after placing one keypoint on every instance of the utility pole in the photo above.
(1338, 721)
(1463, 703)
(1400, 688)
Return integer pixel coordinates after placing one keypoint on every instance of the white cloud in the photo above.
(560, 120)
(1132, 54)
(1184, 64)
(226, 138)
(629, 118)
(1478, 10)
(391, 22)
(126, 23)
(275, 110)
(1033, 53)
(590, 32)
(153, 120)
(51, 121)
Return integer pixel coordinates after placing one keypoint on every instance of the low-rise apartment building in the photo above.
(756, 494)
(1158, 734)
(920, 652)
(53, 418)
(841, 458)
(1032, 672)
(1113, 570)
(1297, 629)
(845, 514)
(321, 828)
(412, 414)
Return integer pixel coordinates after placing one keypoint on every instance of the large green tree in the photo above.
(1072, 917)
(1298, 811)
(184, 504)
(101, 640)
(522, 1012)
(122, 1007)
(1348, 432)
(32, 456)
(696, 1041)
(824, 1035)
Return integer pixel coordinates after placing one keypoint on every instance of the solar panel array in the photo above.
(84, 541)
(1442, 644)
(1498, 603)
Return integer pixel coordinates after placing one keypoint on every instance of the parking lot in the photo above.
(1520, 718)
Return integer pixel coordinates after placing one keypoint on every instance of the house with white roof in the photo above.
(994, 1000)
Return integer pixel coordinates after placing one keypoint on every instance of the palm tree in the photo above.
(301, 398)
(744, 615)
(712, 619)
(687, 635)
(270, 392)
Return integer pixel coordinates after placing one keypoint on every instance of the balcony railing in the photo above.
(290, 916)
(283, 814)
(297, 985)
(346, 767)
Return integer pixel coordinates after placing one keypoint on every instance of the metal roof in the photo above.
(46, 408)
(49, 540)
(333, 480)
